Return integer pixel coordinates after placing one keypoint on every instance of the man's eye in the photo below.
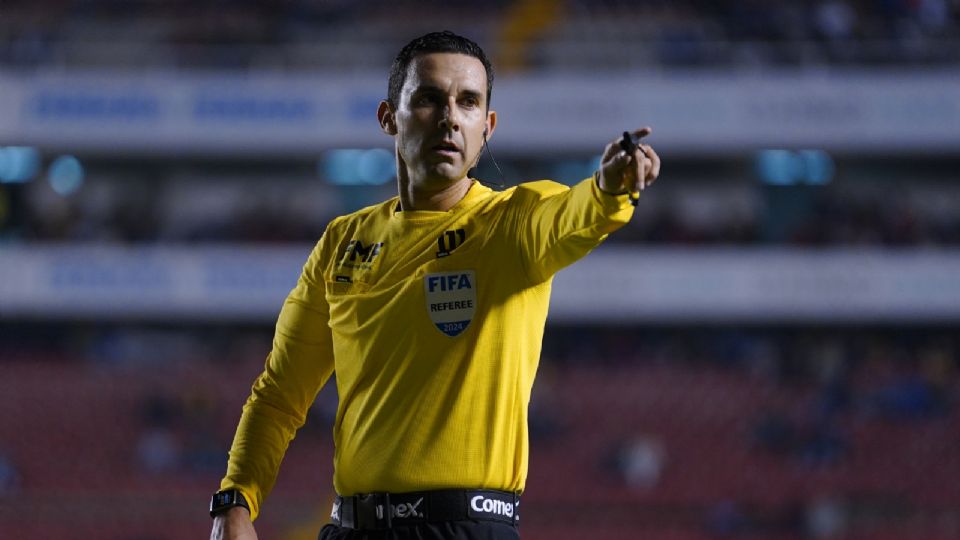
(423, 101)
(470, 102)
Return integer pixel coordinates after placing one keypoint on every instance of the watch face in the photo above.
(223, 500)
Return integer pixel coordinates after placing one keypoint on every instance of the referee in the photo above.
(430, 307)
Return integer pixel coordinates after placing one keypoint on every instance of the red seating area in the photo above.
(72, 430)
(703, 420)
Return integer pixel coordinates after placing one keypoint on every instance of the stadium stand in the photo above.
(116, 428)
(345, 36)
(74, 425)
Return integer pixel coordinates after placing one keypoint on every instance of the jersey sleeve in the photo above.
(299, 364)
(559, 225)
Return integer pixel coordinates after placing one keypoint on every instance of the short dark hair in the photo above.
(434, 42)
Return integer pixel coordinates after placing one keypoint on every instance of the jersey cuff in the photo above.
(611, 203)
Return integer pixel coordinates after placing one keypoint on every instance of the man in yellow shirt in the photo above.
(430, 308)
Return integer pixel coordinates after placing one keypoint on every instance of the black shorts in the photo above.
(443, 530)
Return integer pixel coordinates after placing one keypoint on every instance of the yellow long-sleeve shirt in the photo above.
(433, 322)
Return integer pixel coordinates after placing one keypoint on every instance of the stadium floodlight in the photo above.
(18, 164)
(65, 175)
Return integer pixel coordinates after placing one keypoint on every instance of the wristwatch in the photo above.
(225, 500)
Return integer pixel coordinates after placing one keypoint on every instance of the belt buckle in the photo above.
(373, 511)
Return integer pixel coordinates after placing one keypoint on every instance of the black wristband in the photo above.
(225, 500)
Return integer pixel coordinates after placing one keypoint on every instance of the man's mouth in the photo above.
(446, 147)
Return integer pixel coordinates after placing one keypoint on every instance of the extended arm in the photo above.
(560, 225)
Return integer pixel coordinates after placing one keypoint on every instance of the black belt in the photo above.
(384, 510)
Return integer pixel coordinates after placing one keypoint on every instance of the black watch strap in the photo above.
(225, 500)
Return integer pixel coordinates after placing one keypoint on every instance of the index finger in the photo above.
(642, 132)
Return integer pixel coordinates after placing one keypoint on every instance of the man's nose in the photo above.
(449, 120)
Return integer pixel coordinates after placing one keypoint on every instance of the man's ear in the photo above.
(388, 122)
(491, 124)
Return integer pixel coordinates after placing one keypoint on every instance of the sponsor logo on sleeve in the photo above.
(451, 300)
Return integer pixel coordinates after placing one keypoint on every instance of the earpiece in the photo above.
(502, 183)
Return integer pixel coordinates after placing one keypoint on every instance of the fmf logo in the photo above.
(358, 255)
(451, 300)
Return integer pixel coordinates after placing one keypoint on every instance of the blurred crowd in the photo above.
(841, 427)
(797, 432)
(146, 205)
(832, 220)
(522, 34)
(800, 432)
